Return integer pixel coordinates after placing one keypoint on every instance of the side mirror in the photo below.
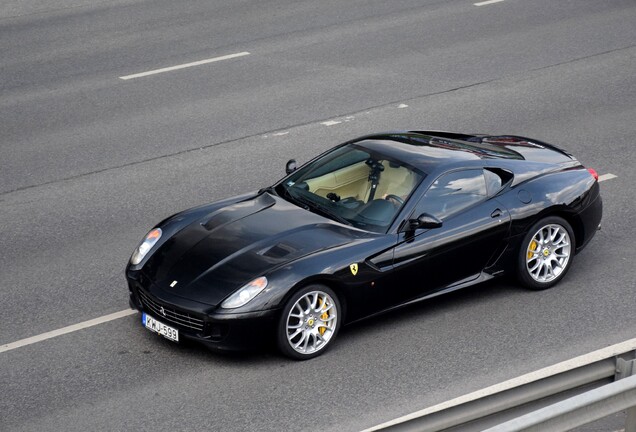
(423, 221)
(290, 166)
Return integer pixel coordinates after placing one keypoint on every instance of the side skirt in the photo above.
(464, 283)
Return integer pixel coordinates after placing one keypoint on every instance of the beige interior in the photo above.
(396, 181)
(353, 181)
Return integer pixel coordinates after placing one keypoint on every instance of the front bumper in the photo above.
(195, 322)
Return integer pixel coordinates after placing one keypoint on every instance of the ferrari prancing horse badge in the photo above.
(354, 268)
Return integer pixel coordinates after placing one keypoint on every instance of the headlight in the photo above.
(245, 294)
(145, 246)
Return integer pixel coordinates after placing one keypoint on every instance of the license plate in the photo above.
(160, 328)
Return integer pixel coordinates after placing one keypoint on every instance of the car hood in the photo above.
(212, 257)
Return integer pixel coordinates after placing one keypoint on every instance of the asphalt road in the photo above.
(89, 162)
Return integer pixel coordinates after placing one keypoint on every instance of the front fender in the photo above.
(331, 267)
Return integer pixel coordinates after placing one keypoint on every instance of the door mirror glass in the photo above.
(428, 221)
(423, 221)
(290, 166)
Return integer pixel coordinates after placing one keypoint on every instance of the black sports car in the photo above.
(372, 224)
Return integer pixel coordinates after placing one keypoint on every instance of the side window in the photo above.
(496, 178)
(452, 193)
(493, 182)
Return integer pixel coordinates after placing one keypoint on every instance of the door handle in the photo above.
(497, 213)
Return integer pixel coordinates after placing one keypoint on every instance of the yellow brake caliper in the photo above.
(324, 316)
(532, 248)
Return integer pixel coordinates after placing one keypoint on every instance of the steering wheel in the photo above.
(395, 198)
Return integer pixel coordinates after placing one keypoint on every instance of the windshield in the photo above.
(354, 186)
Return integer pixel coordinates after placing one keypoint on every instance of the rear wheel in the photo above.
(546, 253)
(309, 322)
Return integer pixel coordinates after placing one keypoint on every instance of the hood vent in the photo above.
(238, 211)
(280, 250)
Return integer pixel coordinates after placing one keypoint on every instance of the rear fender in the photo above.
(566, 192)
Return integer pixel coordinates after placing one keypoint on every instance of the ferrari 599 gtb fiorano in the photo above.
(368, 226)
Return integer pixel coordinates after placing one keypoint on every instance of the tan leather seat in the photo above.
(395, 181)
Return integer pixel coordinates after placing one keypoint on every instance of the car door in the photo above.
(474, 228)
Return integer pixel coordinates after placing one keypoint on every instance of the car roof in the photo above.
(429, 150)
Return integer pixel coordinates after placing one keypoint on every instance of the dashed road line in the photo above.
(66, 330)
(607, 176)
(183, 66)
(487, 2)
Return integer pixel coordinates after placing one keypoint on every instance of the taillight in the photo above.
(594, 173)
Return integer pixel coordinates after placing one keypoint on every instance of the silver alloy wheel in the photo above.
(311, 322)
(548, 253)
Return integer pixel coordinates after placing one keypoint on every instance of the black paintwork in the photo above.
(215, 249)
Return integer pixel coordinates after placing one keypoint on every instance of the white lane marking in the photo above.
(183, 66)
(65, 330)
(540, 374)
(487, 2)
(607, 176)
(280, 133)
(331, 122)
(403, 106)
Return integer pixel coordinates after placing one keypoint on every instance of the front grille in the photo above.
(168, 313)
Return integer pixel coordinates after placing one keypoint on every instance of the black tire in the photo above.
(310, 328)
(547, 258)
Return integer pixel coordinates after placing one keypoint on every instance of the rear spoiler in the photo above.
(512, 139)
(495, 139)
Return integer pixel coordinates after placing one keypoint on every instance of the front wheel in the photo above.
(546, 253)
(309, 322)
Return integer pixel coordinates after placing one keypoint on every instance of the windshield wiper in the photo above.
(320, 209)
(293, 199)
(336, 216)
